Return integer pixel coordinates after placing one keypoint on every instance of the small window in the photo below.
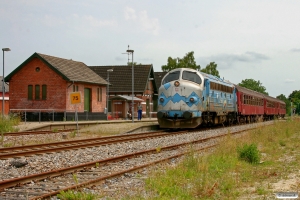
(99, 94)
(75, 88)
(30, 92)
(37, 92)
(44, 92)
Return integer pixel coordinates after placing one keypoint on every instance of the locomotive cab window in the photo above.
(171, 77)
(191, 76)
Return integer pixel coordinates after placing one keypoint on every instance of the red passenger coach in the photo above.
(250, 105)
(273, 107)
(282, 109)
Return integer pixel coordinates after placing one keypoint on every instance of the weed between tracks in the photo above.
(224, 175)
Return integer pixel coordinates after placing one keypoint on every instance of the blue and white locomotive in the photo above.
(189, 98)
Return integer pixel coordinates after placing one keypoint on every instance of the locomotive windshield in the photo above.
(191, 76)
(171, 77)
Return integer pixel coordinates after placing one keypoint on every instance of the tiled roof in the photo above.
(158, 77)
(73, 70)
(70, 70)
(121, 77)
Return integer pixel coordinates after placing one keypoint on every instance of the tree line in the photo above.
(188, 61)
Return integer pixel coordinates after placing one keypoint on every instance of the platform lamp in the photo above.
(3, 88)
(107, 95)
(150, 79)
(130, 51)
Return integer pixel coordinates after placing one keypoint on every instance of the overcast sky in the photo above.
(254, 39)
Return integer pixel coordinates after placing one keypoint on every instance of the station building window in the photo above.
(75, 88)
(99, 94)
(44, 92)
(30, 92)
(37, 92)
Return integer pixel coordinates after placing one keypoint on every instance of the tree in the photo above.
(282, 97)
(253, 85)
(211, 68)
(294, 97)
(134, 63)
(188, 61)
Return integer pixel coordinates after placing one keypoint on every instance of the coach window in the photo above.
(191, 76)
(171, 77)
(30, 92)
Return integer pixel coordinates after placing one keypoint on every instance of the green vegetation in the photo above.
(188, 61)
(76, 195)
(249, 153)
(7, 124)
(253, 85)
(234, 170)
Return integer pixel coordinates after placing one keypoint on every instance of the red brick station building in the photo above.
(42, 88)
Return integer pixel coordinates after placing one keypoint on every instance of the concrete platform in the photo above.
(35, 126)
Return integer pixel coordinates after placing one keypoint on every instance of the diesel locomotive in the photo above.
(189, 98)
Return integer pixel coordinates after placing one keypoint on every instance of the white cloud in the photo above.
(289, 80)
(143, 20)
(149, 24)
(99, 23)
(130, 13)
(295, 50)
(50, 20)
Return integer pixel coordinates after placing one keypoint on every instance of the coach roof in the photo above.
(69, 69)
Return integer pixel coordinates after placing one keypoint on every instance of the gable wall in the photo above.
(56, 87)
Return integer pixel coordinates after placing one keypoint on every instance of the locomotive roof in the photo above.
(217, 79)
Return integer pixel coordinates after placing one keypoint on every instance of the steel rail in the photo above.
(76, 144)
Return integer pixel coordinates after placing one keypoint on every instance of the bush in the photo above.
(249, 153)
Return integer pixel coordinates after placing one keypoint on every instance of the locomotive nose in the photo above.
(187, 115)
(161, 114)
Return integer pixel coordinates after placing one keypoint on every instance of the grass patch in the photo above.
(249, 153)
(76, 195)
(8, 123)
(224, 174)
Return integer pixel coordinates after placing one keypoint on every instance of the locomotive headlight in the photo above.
(176, 84)
(193, 99)
(161, 100)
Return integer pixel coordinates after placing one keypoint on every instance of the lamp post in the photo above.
(3, 89)
(107, 95)
(150, 79)
(132, 107)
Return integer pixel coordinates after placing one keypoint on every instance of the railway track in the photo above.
(19, 151)
(50, 183)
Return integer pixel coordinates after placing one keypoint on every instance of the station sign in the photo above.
(75, 97)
